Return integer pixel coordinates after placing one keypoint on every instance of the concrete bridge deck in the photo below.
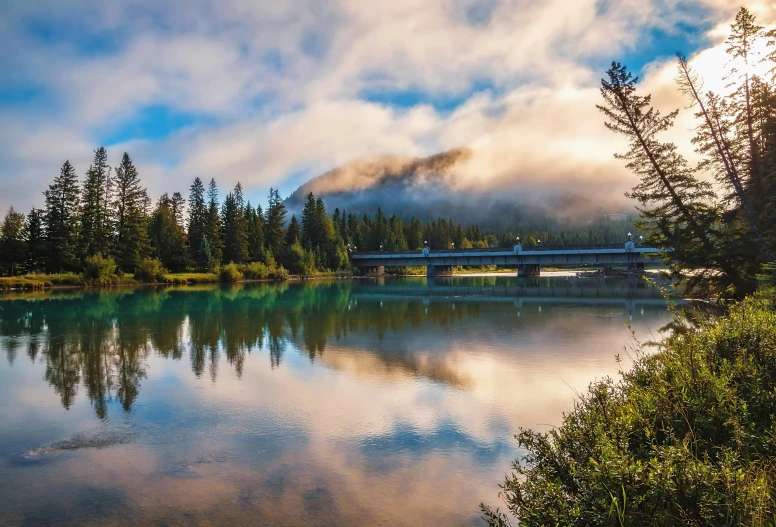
(527, 260)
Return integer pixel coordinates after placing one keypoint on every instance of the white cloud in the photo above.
(280, 85)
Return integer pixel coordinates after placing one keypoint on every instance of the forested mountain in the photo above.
(429, 188)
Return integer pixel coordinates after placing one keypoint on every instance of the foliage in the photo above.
(61, 226)
(255, 271)
(129, 207)
(230, 273)
(150, 270)
(300, 261)
(13, 246)
(100, 270)
(235, 227)
(94, 215)
(720, 236)
(167, 236)
(274, 236)
(685, 437)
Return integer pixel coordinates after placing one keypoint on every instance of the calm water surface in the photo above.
(319, 403)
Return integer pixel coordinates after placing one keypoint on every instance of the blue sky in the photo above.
(271, 94)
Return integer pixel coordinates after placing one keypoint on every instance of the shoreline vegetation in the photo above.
(243, 274)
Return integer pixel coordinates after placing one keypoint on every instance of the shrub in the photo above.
(100, 270)
(279, 273)
(255, 271)
(687, 436)
(301, 261)
(150, 270)
(230, 273)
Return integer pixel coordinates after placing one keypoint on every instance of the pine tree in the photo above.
(292, 233)
(214, 228)
(61, 220)
(35, 237)
(197, 226)
(308, 233)
(95, 224)
(255, 220)
(235, 227)
(129, 207)
(273, 230)
(677, 208)
(415, 235)
(13, 247)
(166, 236)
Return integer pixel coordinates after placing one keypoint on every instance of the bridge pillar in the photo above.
(528, 270)
(378, 270)
(439, 270)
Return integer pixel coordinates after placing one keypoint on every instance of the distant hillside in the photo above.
(431, 187)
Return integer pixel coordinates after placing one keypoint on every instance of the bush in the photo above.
(279, 273)
(255, 271)
(150, 271)
(230, 273)
(100, 270)
(687, 436)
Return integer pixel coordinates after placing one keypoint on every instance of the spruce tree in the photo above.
(95, 224)
(13, 246)
(130, 220)
(255, 219)
(61, 221)
(197, 226)
(214, 229)
(166, 236)
(35, 237)
(235, 227)
(275, 219)
(292, 233)
(308, 235)
(677, 208)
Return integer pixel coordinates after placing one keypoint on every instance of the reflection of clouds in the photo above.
(400, 416)
(318, 482)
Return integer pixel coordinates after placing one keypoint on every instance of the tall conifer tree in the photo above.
(129, 207)
(61, 220)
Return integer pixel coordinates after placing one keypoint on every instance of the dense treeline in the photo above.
(723, 231)
(107, 222)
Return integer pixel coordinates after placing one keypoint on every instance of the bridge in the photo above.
(527, 260)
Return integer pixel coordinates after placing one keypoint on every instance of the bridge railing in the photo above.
(536, 248)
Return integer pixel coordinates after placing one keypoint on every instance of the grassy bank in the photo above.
(685, 437)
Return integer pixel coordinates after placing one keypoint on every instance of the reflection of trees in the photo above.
(103, 339)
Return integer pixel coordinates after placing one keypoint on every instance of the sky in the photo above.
(271, 93)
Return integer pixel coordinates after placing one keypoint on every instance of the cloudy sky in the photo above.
(270, 93)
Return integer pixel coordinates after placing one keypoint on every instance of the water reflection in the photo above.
(350, 402)
(104, 338)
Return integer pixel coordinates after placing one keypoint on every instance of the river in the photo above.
(339, 402)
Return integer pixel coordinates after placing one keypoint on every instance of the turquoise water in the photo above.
(341, 402)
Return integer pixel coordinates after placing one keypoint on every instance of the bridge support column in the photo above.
(439, 270)
(528, 270)
(373, 271)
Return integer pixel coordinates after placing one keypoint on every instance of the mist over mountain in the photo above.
(465, 185)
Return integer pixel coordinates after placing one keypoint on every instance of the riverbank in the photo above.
(74, 281)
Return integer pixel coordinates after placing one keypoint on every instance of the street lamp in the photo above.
(641, 239)
(381, 246)
(629, 236)
(453, 244)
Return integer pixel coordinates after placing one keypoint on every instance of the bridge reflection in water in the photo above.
(629, 294)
